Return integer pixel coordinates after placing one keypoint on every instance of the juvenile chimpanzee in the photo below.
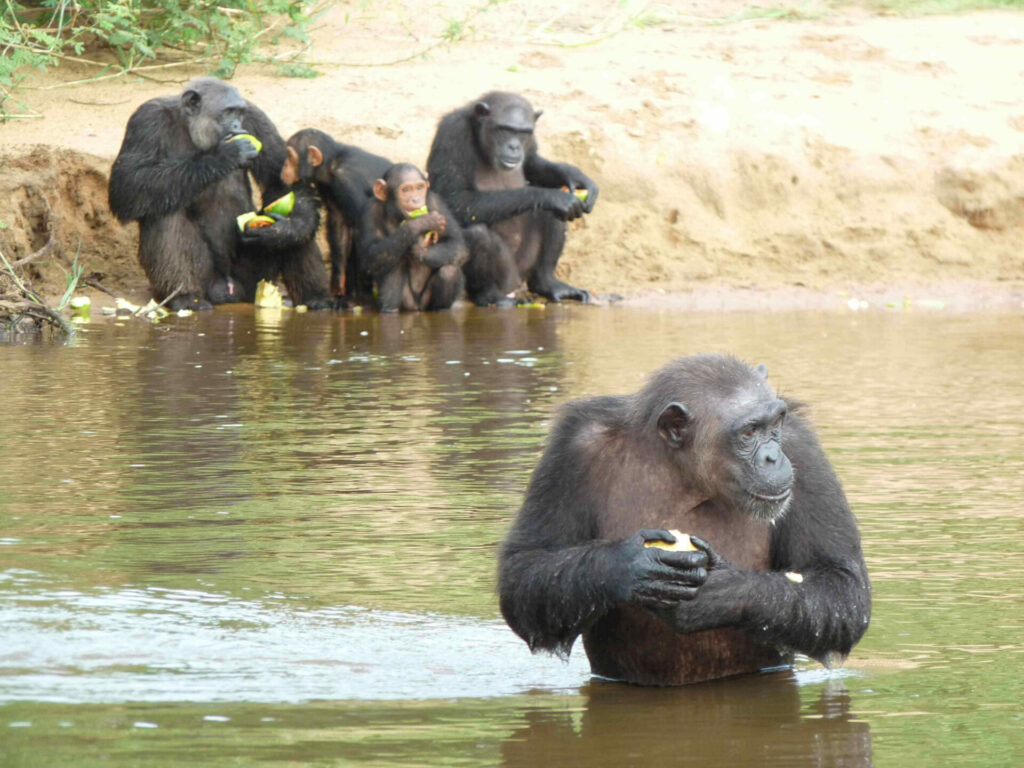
(706, 447)
(344, 177)
(182, 173)
(287, 248)
(509, 199)
(410, 244)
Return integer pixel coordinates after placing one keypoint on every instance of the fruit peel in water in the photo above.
(267, 295)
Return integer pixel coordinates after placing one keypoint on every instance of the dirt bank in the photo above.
(841, 153)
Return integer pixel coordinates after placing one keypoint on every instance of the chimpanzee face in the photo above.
(213, 111)
(411, 192)
(760, 473)
(403, 186)
(728, 439)
(505, 130)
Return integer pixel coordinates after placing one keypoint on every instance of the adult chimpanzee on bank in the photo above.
(182, 174)
(509, 199)
(410, 243)
(706, 447)
(344, 176)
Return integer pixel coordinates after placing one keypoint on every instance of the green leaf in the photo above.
(120, 37)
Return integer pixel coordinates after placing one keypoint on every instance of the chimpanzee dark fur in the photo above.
(344, 182)
(707, 448)
(484, 164)
(178, 176)
(408, 275)
(288, 249)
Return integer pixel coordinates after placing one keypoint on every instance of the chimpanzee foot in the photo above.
(318, 304)
(558, 291)
(188, 301)
(495, 300)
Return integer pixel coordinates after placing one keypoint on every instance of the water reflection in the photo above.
(243, 509)
(753, 721)
(159, 645)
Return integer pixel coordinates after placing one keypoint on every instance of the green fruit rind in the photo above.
(283, 206)
(418, 212)
(250, 138)
(249, 218)
(244, 219)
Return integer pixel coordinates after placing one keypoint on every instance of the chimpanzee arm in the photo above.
(546, 173)
(828, 612)
(823, 611)
(379, 250)
(555, 577)
(472, 206)
(158, 171)
(451, 248)
(452, 167)
(266, 168)
(288, 232)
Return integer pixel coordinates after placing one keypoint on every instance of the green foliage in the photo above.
(295, 69)
(226, 32)
(72, 277)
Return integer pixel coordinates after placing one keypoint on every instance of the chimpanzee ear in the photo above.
(190, 101)
(380, 190)
(537, 114)
(672, 424)
(761, 371)
(316, 157)
(482, 109)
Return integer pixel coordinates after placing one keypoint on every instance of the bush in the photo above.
(225, 33)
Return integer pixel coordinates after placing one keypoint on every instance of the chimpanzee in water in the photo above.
(344, 176)
(509, 199)
(182, 173)
(410, 244)
(706, 447)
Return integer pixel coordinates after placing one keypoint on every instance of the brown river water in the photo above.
(251, 539)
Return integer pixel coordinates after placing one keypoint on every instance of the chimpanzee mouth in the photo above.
(509, 164)
(774, 498)
(769, 507)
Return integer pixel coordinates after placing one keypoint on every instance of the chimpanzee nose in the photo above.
(770, 454)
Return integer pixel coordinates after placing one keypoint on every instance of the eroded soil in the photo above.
(742, 163)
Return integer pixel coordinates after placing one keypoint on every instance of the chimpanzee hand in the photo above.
(274, 236)
(719, 600)
(565, 205)
(429, 222)
(655, 578)
(243, 150)
(579, 181)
